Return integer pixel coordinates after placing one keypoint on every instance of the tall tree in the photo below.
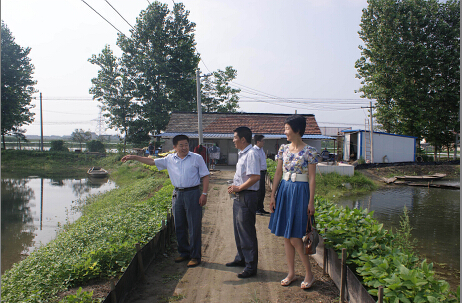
(161, 60)
(114, 89)
(155, 75)
(410, 65)
(17, 84)
(218, 95)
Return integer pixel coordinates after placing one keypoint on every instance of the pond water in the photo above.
(434, 215)
(33, 208)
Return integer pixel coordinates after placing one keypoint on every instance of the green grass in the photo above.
(333, 186)
(46, 163)
(99, 245)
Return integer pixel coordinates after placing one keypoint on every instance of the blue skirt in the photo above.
(290, 215)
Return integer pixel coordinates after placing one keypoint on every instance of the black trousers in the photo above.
(245, 234)
(261, 191)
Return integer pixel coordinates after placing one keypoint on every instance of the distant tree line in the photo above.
(410, 64)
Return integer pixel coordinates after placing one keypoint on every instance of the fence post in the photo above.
(163, 240)
(324, 262)
(113, 294)
(343, 276)
(169, 226)
(140, 260)
(380, 294)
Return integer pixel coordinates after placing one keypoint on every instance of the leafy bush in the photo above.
(79, 297)
(100, 244)
(96, 146)
(378, 256)
(58, 145)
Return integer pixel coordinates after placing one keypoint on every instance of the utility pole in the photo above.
(199, 106)
(41, 124)
(370, 107)
(372, 135)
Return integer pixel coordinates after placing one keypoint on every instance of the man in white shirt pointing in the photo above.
(186, 169)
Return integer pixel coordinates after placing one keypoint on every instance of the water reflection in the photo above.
(33, 208)
(434, 216)
(17, 222)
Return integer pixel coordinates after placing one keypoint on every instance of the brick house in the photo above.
(218, 129)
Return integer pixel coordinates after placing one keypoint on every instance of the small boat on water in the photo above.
(421, 178)
(97, 172)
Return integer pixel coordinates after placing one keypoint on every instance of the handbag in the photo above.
(311, 238)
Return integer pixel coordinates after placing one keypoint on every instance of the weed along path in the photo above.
(212, 281)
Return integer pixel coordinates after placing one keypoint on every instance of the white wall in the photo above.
(396, 148)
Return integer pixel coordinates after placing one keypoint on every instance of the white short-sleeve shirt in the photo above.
(248, 164)
(186, 172)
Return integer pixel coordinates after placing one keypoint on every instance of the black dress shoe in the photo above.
(236, 264)
(246, 274)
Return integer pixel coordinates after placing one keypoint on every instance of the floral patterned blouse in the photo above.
(298, 162)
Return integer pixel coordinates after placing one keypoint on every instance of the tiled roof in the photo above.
(226, 122)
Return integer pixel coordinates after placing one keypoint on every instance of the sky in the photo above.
(293, 55)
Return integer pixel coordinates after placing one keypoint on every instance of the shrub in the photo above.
(96, 146)
(58, 145)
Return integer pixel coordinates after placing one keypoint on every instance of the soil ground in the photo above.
(212, 281)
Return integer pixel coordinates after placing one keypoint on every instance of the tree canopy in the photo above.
(410, 64)
(155, 75)
(17, 84)
(81, 136)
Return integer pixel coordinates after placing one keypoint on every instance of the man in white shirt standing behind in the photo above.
(259, 143)
(185, 169)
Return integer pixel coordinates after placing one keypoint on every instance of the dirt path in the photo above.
(212, 281)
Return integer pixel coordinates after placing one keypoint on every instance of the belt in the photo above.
(295, 177)
(263, 170)
(186, 188)
(243, 192)
(247, 191)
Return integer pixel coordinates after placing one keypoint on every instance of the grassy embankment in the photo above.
(101, 243)
(334, 186)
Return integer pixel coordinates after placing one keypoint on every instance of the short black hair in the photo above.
(297, 123)
(244, 131)
(179, 138)
(258, 138)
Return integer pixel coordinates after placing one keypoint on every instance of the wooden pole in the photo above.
(140, 260)
(163, 243)
(324, 262)
(343, 276)
(113, 294)
(380, 294)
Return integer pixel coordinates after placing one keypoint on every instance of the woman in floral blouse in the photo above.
(294, 182)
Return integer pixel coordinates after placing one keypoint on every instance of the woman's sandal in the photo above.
(287, 282)
(306, 285)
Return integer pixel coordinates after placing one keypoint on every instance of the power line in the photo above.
(119, 14)
(205, 65)
(103, 18)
